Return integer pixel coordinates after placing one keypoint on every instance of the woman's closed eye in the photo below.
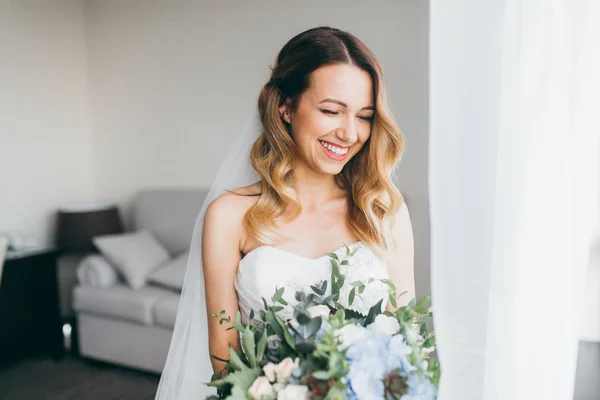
(368, 118)
(330, 112)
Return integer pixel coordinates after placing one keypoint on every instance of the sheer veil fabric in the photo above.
(188, 367)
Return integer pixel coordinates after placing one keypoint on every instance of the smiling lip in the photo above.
(336, 145)
(333, 156)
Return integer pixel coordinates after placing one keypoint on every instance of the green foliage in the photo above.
(322, 361)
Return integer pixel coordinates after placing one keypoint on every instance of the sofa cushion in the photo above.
(165, 310)
(95, 270)
(171, 274)
(136, 255)
(119, 302)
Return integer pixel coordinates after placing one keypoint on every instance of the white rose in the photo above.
(284, 369)
(318, 311)
(385, 324)
(349, 334)
(293, 392)
(261, 387)
(269, 370)
(278, 387)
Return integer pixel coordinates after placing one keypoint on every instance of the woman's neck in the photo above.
(315, 189)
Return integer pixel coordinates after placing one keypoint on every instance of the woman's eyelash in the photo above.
(330, 112)
(337, 112)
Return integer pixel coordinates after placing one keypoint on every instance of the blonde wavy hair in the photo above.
(367, 178)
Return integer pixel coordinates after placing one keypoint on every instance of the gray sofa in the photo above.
(133, 327)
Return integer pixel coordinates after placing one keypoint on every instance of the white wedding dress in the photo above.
(265, 269)
(260, 272)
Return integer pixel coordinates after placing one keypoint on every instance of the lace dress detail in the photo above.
(266, 268)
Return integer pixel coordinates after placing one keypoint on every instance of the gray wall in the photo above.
(45, 134)
(171, 83)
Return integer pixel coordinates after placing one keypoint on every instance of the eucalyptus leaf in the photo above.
(373, 312)
(393, 302)
(317, 290)
(323, 375)
(237, 394)
(239, 379)
(335, 268)
(280, 329)
(278, 294)
(235, 361)
(303, 318)
(249, 346)
(261, 346)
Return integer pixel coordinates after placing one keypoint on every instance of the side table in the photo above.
(30, 322)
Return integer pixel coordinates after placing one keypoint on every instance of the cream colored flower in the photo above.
(284, 369)
(318, 311)
(261, 387)
(269, 370)
(385, 324)
(293, 392)
(278, 387)
(349, 334)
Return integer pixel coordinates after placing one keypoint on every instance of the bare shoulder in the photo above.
(224, 216)
(234, 203)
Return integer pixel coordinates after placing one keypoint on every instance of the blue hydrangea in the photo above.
(420, 389)
(364, 380)
(398, 356)
(375, 355)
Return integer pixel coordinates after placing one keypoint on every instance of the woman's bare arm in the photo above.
(220, 259)
(401, 264)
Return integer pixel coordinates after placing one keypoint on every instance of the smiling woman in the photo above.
(322, 160)
(337, 126)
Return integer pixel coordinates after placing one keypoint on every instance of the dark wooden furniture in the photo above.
(30, 322)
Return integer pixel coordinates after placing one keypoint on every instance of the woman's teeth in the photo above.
(333, 149)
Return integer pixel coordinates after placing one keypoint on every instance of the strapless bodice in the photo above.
(265, 269)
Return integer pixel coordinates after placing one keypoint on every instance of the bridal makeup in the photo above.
(333, 118)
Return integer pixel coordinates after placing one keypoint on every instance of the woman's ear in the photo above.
(284, 112)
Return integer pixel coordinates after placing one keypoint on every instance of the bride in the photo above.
(311, 175)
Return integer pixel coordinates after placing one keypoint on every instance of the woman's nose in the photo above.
(347, 132)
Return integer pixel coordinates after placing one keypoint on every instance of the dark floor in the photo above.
(74, 379)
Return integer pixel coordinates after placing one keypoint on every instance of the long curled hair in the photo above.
(367, 178)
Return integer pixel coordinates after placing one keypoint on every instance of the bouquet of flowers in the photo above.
(330, 352)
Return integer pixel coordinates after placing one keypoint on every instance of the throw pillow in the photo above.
(171, 274)
(136, 255)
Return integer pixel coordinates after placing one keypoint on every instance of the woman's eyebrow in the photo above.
(341, 103)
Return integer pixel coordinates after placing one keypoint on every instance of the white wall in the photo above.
(45, 136)
(173, 82)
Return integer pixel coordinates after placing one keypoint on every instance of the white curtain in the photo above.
(514, 176)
